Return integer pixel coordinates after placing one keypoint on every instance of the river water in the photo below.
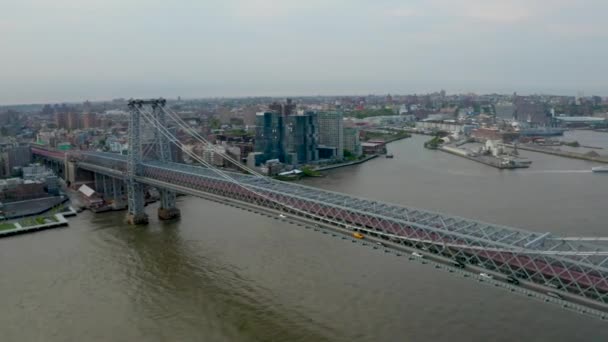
(223, 274)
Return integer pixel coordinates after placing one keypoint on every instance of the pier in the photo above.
(499, 163)
(60, 221)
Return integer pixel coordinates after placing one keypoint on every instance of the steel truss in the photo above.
(574, 266)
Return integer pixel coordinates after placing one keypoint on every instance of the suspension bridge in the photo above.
(575, 268)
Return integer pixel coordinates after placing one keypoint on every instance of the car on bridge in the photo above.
(554, 295)
(417, 255)
(485, 275)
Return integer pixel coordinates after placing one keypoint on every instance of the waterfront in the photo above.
(226, 274)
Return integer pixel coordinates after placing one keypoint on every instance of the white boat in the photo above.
(600, 169)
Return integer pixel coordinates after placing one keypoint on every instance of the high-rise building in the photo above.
(352, 143)
(17, 156)
(302, 138)
(285, 109)
(270, 137)
(73, 120)
(89, 120)
(61, 118)
(331, 132)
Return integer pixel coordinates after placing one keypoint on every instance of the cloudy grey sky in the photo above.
(71, 50)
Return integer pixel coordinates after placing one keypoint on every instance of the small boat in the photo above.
(358, 235)
(389, 156)
(600, 169)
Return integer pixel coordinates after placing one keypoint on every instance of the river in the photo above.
(224, 274)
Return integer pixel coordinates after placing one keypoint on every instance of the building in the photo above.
(269, 137)
(531, 111)
(213, 155)
(505, 111)
(331, 132)
(373, 147)
(48, 138)
(73, 120)
(16, 189)
(352, 143)
(17, 156)
(484, 134)
(42, 174)
(302, 138)
(89, 120)
(61, 119)
(285, 109)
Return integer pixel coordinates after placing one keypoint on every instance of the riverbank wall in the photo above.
(337, 166)
(573, 155)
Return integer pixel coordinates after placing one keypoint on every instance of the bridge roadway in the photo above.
(506, 250)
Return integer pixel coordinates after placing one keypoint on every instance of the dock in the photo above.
(60, 218)
(496, 162)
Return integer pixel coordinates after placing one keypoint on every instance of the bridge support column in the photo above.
(167, 210)
(136, 214)
(117, 190)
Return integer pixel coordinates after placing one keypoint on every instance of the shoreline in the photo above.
(572, 155)
(340, 165)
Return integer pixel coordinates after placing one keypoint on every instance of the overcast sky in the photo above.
(72, 50)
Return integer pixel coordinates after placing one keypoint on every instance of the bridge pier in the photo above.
(167, 209)
(166, 214)
(118, 192)
(137, 219)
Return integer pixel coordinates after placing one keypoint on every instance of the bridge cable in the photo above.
(521, 250)
(185, 126)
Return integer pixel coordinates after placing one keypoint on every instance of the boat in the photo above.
(600, 169)
(358, 235)
(389, 156)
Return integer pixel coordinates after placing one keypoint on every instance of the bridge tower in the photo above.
(167, 209)
(135, 191)
(162, 147)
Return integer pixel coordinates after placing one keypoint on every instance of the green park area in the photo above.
(6, 226)
(34, 221)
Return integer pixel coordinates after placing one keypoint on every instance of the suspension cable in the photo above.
(185, 126)
(154, 122)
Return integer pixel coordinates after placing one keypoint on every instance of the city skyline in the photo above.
(110, 49)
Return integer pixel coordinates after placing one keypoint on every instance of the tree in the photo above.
(215, 123)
